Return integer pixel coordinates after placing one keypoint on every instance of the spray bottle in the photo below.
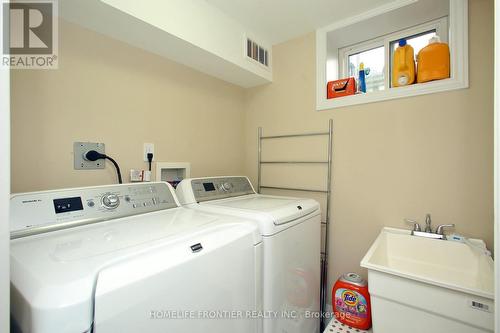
(362, 78)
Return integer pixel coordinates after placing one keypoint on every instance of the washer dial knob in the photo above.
(110, 201)
(226, 186)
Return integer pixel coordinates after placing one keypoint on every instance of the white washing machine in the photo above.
(290, 228)
(126, 258)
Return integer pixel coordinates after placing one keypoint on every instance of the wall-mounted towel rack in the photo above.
(326, 191)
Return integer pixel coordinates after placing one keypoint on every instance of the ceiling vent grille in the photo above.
(257, 52)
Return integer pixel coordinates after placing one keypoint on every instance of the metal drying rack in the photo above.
(327, 192)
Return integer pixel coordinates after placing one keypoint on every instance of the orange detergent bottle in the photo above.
(403, 65)
(433, 61)
(351, 301)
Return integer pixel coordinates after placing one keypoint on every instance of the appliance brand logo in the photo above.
(30, 34)
(31, 201)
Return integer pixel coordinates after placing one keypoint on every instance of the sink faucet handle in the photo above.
(416, 226)
(440, 228)
(428, 221)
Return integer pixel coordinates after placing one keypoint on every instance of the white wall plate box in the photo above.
(172, 171)
(140, 175)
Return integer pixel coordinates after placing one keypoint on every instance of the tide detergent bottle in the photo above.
(403, 65)
(433, 61)
(351, 301)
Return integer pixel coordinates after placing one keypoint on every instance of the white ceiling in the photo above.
(279, 20)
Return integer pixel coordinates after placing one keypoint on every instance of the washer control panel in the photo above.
(50, 209)
(205, 189)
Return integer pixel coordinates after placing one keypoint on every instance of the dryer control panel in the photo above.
(214, 188)
(38, 212)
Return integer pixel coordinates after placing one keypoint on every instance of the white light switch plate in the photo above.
(148, 148)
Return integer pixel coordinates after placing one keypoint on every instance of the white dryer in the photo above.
(290, 228)
(126, 258)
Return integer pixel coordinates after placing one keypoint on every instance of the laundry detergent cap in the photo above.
(435, 39)
(354, 279)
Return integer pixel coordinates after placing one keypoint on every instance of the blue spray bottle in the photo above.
(362, 78)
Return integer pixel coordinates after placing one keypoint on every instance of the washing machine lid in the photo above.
(54, 274)
(281, 210)
(235, 195)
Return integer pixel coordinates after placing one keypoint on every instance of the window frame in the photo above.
(327, 63)
(440, 26)
(346, 52)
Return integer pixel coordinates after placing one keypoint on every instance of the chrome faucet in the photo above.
(416, 226)
(428, 221)
(438, 234)
(439, 229)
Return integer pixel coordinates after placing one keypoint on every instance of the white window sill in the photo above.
(392, 93)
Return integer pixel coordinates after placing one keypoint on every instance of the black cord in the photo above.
(93, 155)
(150, 159)
(118, 172)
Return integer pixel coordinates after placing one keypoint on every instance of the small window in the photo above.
(373, 60)
(343, 44)
(376, 54)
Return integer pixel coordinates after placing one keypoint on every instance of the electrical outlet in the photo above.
(148, 148)
(80, 148)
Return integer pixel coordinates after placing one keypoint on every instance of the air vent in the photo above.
(257, 52)
(479, 306)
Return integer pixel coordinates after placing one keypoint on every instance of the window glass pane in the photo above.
(374, 65)
(418, 42)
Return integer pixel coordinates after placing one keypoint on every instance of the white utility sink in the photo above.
(428, 285)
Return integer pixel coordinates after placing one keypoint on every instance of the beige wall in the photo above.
(106, 91)
(393, 159)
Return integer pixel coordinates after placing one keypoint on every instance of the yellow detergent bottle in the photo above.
(433, 61)
(403, 65)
